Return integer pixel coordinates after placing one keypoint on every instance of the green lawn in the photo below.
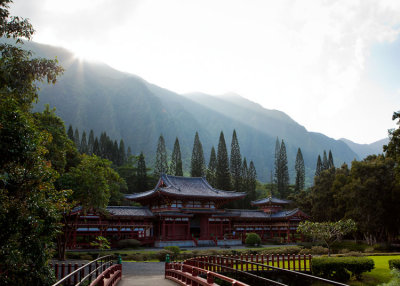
(380, 274)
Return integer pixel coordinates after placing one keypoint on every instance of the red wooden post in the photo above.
(76, 274)
(69, 271)
(62, 271)
(273, 258)
(257, 260)
(278, 259)
(294, 262)
(210, 279)
(251, 257)
(283, 261)
(309, 261)
(262, 261)
(56, 270)
(241, 262)
(288, 261)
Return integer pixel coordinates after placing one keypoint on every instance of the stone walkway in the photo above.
(144, 274)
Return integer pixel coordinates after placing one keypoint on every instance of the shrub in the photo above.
(369, 250)
(394, 263)
(284, 250)
(162, 255)
(174, 249)
(315, 250)
(128, 243)
(353, 254)
(395, 281)
(341, 268)
(253, 239)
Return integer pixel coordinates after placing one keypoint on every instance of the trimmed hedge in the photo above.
(341, 268)
(394, 263)
(128, 243)
(253, 239)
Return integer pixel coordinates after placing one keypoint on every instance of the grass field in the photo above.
(380, 274)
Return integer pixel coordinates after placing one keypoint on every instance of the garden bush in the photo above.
(253, 239)
(284, 250)
(162, 255)
(315, 250)
(128, 243)
(394, 263)
(174, 249)
(341, 268)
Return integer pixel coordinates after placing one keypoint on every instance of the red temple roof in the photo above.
(196, 187)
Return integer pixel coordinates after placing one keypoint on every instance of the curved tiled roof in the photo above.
(259, 214)
(186, 186)
(270, 200)
(129, 211)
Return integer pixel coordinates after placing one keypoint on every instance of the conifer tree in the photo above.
(235, 162)
(276, 162)
(222, 170)
(300, 172)
(76, 139)
(244, 186)
(141, 174)
(128, 153)
(325, 163)
(318, 169)
(103, 144)
(175, 167)
(212, 167)
(115, 153)
(96, 147)
(84, 145)
(121, 153)
(283, 172)
(197, 165)
(91, 142)
(70, 133)
(330, 160)
(252, 182)
(161, 166)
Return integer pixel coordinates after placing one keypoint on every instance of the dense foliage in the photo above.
(252, 239)
(394, 263)
(197, 164)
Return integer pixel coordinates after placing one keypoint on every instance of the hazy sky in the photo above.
(333, 66)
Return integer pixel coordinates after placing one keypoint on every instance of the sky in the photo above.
(333, 66)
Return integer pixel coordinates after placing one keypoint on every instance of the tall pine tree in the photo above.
(318, 168)
(245, 186)
(212, 168)
(121, 153)
(76, 139)
(84, 145)
(175, 167)
(325, 163)
(197, 164)
(283, 173)
(161, 166)
(276, 162)
(300, 172)
(330, 160)
(141, 174)
(235, 162)
(96, 147)
(91, 142)
(222, 170)
(252, 182)
(70, 133)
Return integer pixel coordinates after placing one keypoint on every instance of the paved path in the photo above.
(144, 274)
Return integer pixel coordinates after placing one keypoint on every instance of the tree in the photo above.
(328, 232)
(84, 145)
(71, 133)
(29, 203)
(325, 163)
(161, 166)
(91, 143)
(96, 147)
(197, 164)
(318, 169)
(141, 174)
(223, 177)
(77, 140)
(212, 168)
(121, 153)
(276, 161)
(252, 181)
(175, 167)
(300, 172)
(235, 162)
(283, 172)
(330, 160)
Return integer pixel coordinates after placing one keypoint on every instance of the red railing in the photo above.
(189, 275)
(109, 277)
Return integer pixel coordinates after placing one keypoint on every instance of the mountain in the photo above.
(95, 96)
(363, 150)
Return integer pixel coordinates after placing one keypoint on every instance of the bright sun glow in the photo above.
(84, 53)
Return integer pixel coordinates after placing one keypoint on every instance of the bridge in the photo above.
(210, 270)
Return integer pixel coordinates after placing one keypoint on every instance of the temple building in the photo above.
(187, 212)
